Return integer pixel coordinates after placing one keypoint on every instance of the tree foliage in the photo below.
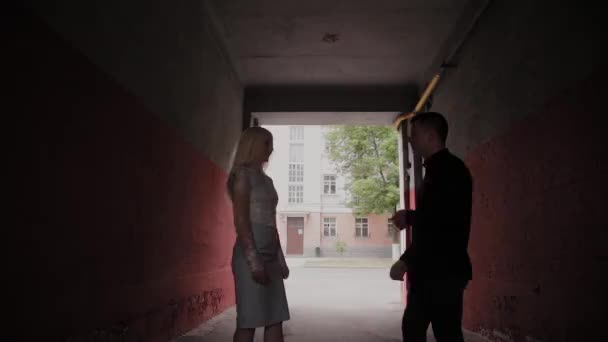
(368, 158)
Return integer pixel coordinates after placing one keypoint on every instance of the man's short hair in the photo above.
(432, 120)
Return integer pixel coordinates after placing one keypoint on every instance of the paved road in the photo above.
(327, 304)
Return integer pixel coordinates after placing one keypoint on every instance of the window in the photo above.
(361, 227)
(296, 153)
(329, 184)
(390, 227)
(295, 194)
(329, 226)
(296, 133)
(296, 173)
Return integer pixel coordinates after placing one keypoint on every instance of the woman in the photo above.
(258, 263)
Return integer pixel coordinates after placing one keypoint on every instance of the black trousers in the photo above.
(438, 303)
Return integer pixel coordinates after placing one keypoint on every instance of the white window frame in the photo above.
(389, 227)
(327, 184)
(362, 225)
(295, 180)
(296, 133)
(295, 193)
(296, 173)
(294, 159)
(330, 225)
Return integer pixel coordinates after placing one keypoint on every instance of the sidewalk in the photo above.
(329, 304)
(348, 262)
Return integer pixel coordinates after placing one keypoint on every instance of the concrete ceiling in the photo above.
(337, 42)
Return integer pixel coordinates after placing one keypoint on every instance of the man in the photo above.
(437, 262)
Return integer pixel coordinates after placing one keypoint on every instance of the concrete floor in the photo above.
(328, 304)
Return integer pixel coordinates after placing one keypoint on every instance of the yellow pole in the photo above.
(427, 92)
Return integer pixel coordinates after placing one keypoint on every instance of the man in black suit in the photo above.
(437, 262)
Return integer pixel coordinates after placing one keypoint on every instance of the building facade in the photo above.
(313, 217)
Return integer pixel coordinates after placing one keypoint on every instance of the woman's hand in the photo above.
(398, 270)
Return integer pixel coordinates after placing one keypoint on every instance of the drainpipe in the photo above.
(400, 124)
(447, 63)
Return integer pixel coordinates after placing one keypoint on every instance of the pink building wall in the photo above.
(378, 232)
(378, 244)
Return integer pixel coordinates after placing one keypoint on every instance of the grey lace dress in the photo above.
(258, 305)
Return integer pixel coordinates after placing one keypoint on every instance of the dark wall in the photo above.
(123, 227)
(539, 230)
(527, 114)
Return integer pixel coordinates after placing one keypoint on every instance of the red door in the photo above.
(295, 235)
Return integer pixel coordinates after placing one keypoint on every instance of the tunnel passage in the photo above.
(127, 115)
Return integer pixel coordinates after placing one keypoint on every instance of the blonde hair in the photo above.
(249, 147)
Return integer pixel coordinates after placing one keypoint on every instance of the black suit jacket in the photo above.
(442, 222)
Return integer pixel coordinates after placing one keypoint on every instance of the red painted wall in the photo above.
(539, 233)
(124, 227)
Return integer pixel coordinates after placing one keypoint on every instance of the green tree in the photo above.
(368, 158)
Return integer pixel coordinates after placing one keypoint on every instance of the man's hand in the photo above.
(285, 272)
(260, 276)
(399, 219)
(398, 270)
